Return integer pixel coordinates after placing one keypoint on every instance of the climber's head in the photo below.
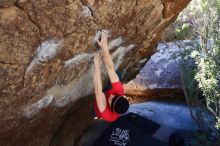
(118, 104)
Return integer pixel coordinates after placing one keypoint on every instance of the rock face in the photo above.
(160, 77)
(46, 63)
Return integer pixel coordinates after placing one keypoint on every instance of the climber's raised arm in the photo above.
(100, 97)
(107, 58)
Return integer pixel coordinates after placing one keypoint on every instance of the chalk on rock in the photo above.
(86, 12)
(48, 49)
(35, 108)
(77, 59)
(98, 37)
(115, 43)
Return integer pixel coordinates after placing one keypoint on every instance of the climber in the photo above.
(110, 104)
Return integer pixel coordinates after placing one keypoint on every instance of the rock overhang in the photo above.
(46, 54)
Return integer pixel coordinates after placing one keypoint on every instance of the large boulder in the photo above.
(160, 77)
(46, 65)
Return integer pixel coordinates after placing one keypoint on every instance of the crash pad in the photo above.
(130, 130)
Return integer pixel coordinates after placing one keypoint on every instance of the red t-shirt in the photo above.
(108, 114)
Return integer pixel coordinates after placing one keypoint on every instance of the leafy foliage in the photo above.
(203, 16)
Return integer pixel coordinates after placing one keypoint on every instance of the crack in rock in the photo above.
(30, 19)
(10, 63)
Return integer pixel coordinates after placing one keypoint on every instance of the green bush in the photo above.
(204, 75)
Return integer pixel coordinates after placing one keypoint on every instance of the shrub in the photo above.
(204, 75)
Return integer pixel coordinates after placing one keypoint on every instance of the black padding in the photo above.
(176, 139)
(129, 130)
(145, 124)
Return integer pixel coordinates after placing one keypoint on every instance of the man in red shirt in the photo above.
(111, 104)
